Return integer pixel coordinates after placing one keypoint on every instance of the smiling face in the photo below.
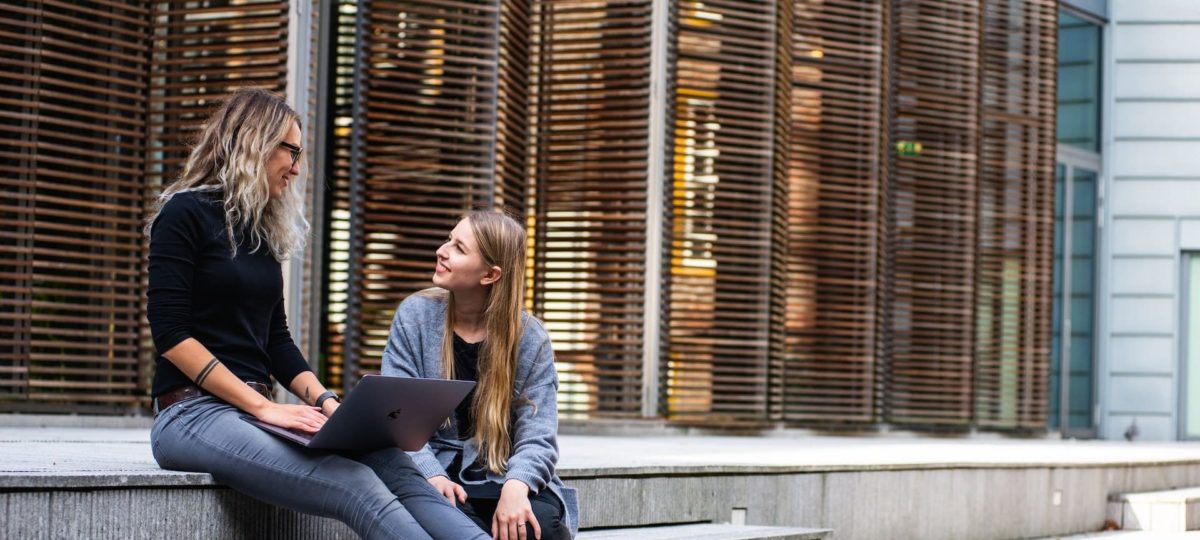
(281, 169)
(460, 266)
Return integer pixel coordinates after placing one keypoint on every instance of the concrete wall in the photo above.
(1152, 213)
(952, 503)
(928, 503)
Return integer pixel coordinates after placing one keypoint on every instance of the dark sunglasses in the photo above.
(292, 149)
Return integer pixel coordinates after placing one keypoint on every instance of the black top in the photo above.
(466, 368)
(231, 305)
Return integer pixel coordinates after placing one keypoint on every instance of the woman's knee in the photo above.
(549, 513)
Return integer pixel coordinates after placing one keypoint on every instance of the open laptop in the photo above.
(380, 412)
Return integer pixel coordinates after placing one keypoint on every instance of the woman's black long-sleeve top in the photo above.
(231, 305)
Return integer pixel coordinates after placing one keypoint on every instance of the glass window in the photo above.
(1078, 82)
(1191, 346)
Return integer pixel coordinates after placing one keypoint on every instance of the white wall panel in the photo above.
(1158, 427)
(1189, 234)
(1156, 158)
(1146, 354)
(1142, 315)
(1142, 394)
(1157, 80)
(1157, 42)
(1161, 119)
(1144, 275)
(1132, 236)
(1165, 198)
(1154, 10)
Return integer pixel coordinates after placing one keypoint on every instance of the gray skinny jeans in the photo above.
(378, 494)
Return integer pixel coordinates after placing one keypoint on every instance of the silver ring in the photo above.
(520, 523)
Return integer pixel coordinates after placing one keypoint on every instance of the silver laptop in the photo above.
(380, 412)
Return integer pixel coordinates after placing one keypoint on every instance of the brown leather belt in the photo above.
(190, 391)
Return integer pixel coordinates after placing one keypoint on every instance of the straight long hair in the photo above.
(231, 155)
(501, 243)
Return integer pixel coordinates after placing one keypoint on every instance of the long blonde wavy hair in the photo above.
(230, 155)
(501, 243)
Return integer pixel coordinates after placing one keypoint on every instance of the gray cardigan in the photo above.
(414, 349)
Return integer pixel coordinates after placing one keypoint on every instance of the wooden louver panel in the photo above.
(429, 100)
(203, 52)
(591, 71)
(722, 214)
(833, 217)
(934, 103)
(513, 107)
(72, 149)
(1016, 227)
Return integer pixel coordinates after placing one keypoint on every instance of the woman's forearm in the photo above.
(307, 387)
(194, 359)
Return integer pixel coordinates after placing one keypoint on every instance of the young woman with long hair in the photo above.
(215, 306)
(496, 456)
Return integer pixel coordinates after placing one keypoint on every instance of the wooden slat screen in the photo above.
(721, 227)
(73, 87)
(833, 221)
(429, 111)
(203, 51)
(1015, 214)
(934, 103)
(781, 152)
(590, 105)
(513, 106)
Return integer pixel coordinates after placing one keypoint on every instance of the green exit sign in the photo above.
(909, 148)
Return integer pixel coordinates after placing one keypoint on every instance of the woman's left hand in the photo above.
(513, 512)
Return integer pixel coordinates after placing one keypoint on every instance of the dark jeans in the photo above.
(481, 507)
(378, 494)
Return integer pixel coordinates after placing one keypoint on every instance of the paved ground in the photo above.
(122, 455)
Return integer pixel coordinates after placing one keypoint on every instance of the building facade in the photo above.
(846, 214)
(1146, 222)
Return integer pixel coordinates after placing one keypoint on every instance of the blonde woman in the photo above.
(215, 306)
(496, 456)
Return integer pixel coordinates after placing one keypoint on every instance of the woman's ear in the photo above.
(491, 276)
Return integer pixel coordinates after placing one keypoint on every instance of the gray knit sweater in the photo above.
(414, 349)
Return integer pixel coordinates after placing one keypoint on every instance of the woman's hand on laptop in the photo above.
(448, 489)
(302, 417)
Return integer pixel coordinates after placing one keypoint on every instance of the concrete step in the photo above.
(708, 531)
(1174, 510)
(1128, 535)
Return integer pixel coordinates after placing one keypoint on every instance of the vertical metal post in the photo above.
(325, 78)
(354, 287)
(655, 185)
(299, 22)
(1064, 367)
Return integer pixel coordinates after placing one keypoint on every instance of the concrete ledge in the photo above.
(708, 531)
(909, 488)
